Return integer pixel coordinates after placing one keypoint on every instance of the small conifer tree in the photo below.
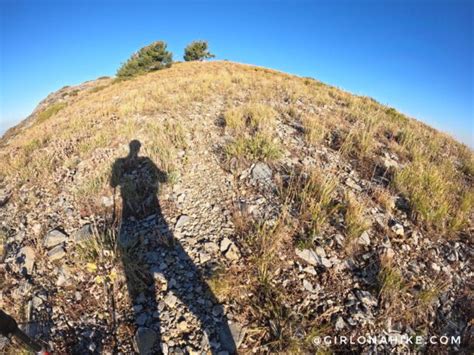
(149, 58)
(197, 50)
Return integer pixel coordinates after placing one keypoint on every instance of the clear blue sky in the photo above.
(414, 55)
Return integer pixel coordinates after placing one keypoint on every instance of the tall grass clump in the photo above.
(312, 199)
(355, 221)
(436, 194)
(253, 128)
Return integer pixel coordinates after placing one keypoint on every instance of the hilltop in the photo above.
(293, 209)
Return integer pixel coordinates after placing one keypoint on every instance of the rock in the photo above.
(183, 326)
(364, 239)
(233, 253)
(320, 252)
(340, 324)
(141, 319)
(27, 256)
(310, 270)
(54, 238)
(261, 173)
(36, 229)
(366, 298)
(389, 163)
(4, 197)
(56, 253)
(145, 339)
(64, 277)
(308, 286)
(309, 256)
(398, 229)
(182, 220)
(339, 238)
(435, 267)
(83, 234)
(225, 244)
(107, 201)
(170, 300)
(181, 197)
(204, 257)
(353, 185)
(312, 258)
(92, 347)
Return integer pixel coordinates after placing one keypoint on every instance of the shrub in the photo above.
(149, 58)
(197, 50)
(258, 147)
(50, 111)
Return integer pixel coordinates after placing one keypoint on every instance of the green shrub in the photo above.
(197, 50)
(149, 58)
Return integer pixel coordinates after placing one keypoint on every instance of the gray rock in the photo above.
(309, 256)
(141, 319)
(56, 253)
(233, 253)
(54, 238)
(364, 239)
(353, 185)
(204, 257)
(312, 258)
(340, 324)
(170, 300)
(262, 173)
(27, 256)
(366, 298)
(310, 270)
(145, 339)
(182, 220)
(435, 267)
(389, 163)
(4, 197)
(398, 229)
(64, 277)
(83, 234)
(308, 286)
(225, 244)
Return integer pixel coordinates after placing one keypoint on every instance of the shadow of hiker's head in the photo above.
(134, 146)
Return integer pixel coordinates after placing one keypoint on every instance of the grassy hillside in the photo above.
(155, 108)
(357, 181)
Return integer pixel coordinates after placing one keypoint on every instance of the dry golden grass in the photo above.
(355, 220)
(313, 198)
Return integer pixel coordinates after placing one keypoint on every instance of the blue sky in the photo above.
(416, 56)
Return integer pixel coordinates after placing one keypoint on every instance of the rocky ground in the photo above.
(81, 281)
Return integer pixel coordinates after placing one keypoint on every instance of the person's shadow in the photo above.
(156, 265)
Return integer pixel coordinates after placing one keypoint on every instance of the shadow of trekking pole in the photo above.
(9, 327)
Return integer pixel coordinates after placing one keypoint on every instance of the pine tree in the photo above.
(149, 58)
(197, 50)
